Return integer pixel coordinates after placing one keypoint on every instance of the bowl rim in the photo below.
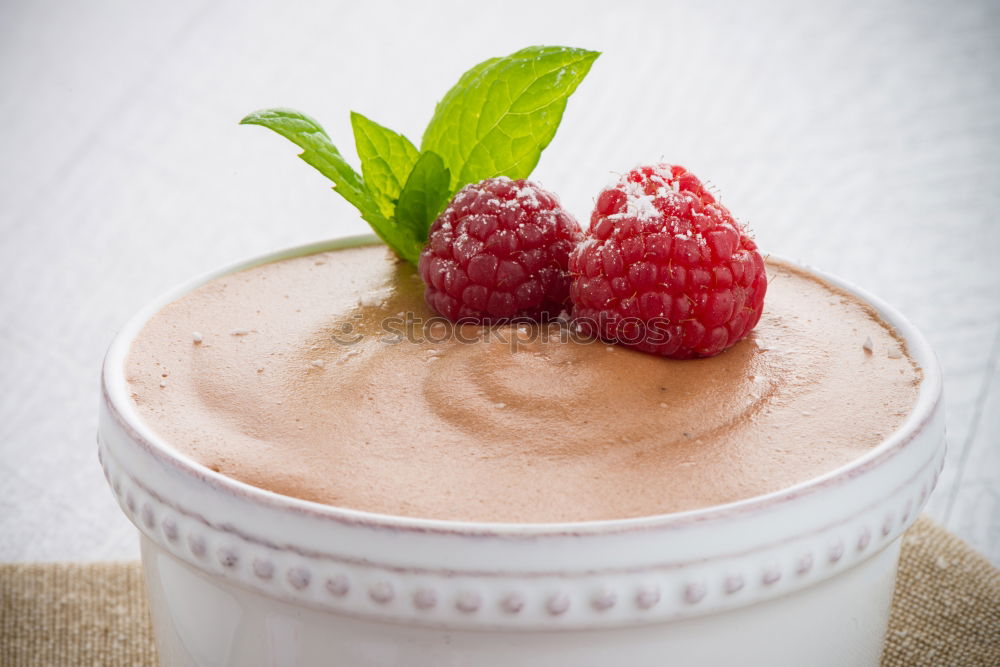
(115, 397)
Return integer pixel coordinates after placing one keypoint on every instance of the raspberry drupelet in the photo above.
(499, 252)
(666, 269)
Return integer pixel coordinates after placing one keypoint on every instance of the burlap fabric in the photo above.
(946, 611)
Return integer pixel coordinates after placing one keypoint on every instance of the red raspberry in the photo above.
(499, 252)
(665, 269)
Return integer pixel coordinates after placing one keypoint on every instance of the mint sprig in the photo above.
(495, 121)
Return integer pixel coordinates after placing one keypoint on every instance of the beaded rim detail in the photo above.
(209, 548)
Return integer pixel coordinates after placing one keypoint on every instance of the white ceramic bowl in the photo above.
(242, 576)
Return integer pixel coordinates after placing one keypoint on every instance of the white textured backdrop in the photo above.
(859, 137)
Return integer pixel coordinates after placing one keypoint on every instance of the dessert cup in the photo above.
(238, 575)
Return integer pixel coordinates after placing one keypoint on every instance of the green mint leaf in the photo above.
(386, 160)
(503, 112)
(320, 153)
(426, 192)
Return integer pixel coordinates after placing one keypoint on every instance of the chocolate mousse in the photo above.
(326, 377)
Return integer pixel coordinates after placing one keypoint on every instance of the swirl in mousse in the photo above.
(300, 377)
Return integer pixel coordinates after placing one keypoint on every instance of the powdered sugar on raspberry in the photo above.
(641, 207)
(639, 203)
(527, 196)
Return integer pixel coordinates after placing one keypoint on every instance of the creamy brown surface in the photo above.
(473, 431)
